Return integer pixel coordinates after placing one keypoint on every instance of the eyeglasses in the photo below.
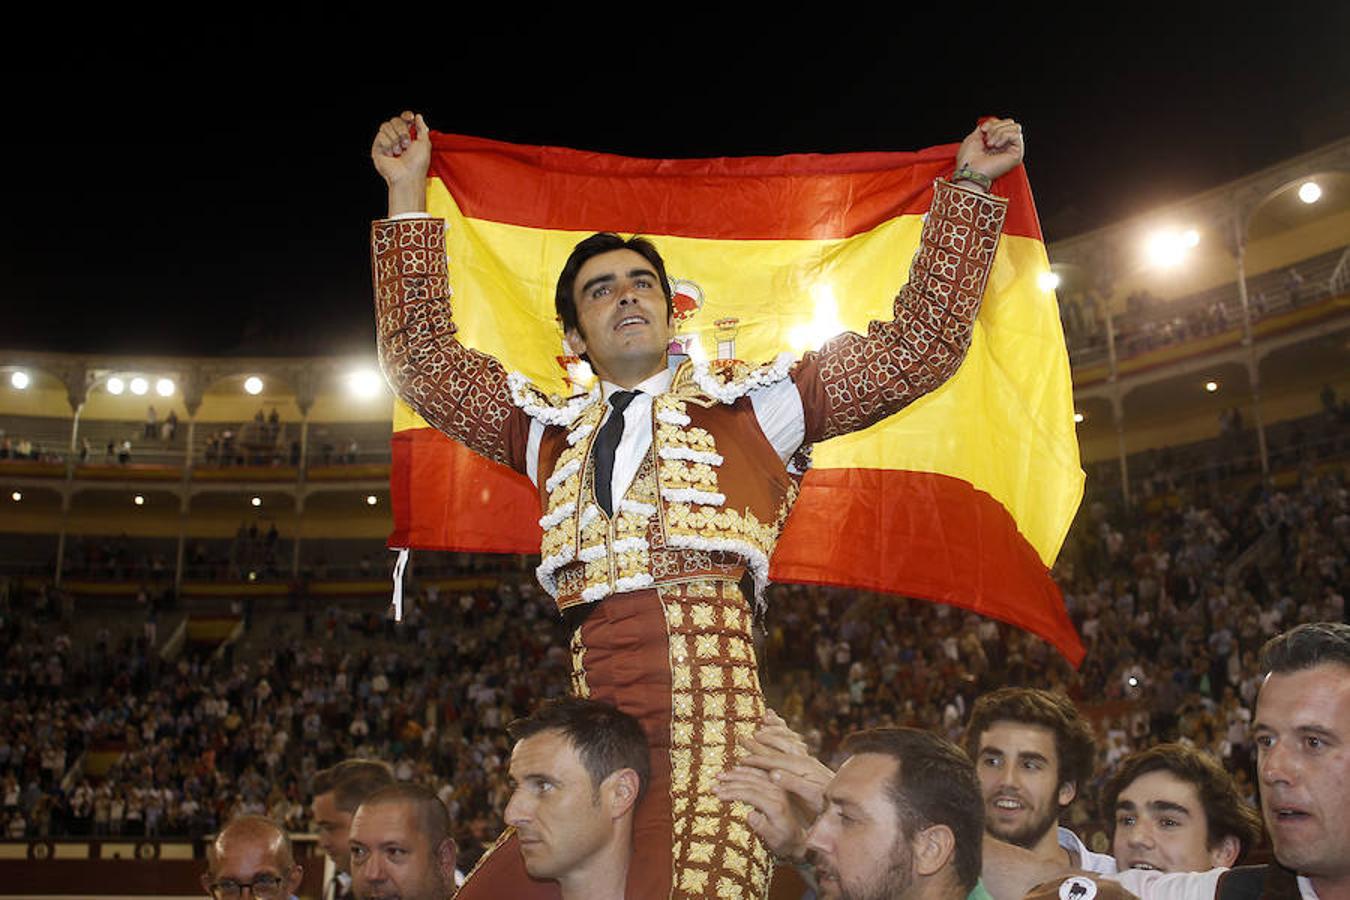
(264, 887)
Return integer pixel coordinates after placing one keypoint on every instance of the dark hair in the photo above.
(432, 815)
(1307, 646)
(935, 784)
(1074, 742)
(1225, 811)
(352, 781)
(606, 738)
(602, 242)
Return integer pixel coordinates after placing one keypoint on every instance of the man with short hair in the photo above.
(578, 770)
(400, 845)
(1033, 752)
(1173, 808)
(251, 853)
(664, 487)
(338, 791)
(902, 818)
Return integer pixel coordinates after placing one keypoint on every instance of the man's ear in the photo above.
(447, 856)
(621, 791)
(575, 342)
(293, 880)
(933, 848)
(1225, 853)
(1067, 791)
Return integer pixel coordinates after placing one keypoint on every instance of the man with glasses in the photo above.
(251, 855)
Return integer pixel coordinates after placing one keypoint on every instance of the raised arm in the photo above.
(459, 391)
(854, 381)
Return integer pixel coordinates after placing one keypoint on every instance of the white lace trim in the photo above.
(691, 495)
(763, 376)
(544, 571)
(698, 456)
(636, 507)
(592, 553)
(562, 475)
(755, 559)
(578, 434)
(562, 512)
(595, 592)
(588, 515)
(526, 396)
(630, 544)
(671, 417)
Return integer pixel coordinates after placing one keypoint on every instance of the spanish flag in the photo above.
(963, 498)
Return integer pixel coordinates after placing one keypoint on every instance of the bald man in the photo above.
(251, 852)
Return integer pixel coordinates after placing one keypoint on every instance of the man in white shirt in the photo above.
(1033, 753)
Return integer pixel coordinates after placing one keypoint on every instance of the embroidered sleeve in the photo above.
(461, 392)
(855, 381)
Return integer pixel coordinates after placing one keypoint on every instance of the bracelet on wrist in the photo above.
(966, 173)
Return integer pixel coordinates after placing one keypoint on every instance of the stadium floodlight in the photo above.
(1048, 281)
(16, 496)
(18, 380)
(1078, 418)
(139, 499)
(1310, 192)
(256, 501)
(1211, 386)
(364, 383)
(164, 387)
(116, 386)
(371, 500)
(1167, 247)
(139, 386)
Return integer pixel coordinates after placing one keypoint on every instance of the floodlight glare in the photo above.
(253, 384)
(1310, 192)
(256, 501)
(371, 500)
(1048, 281)
(139, 386)
(164, 387)
(19, 380)
(139, 499)
(1211, 386)
(364, 383)
(16, 496)
(116, 386)
(1078, 418)
(1167, 247)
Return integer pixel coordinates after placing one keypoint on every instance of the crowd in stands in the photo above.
(1169, 606)
(1149, 322)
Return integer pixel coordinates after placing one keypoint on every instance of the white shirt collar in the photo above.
(655, 386)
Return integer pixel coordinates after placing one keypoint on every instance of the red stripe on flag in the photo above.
(928, 536)
(446, 497)
(798, 197)
(922, 535)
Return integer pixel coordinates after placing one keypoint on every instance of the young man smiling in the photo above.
(1033, 751)
(663, 490)
(1174, 809)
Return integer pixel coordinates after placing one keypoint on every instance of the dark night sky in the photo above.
(208, 189)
